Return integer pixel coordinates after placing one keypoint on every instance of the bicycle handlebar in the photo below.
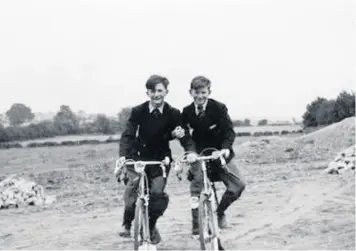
(140, 165)
(203, 158)
(143, 162)
(200, 158)
(209, 157)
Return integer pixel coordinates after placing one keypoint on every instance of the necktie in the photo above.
(156, 113)
(200, 112)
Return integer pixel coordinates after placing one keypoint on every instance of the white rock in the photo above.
(15, 191)
(333, 166)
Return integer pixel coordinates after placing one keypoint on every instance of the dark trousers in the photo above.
(158, 202)
(231, 178)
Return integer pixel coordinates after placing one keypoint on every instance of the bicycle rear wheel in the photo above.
(141, 227)
(208, 225)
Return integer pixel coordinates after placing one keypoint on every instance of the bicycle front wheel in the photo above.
(208, 226)
(141, 227)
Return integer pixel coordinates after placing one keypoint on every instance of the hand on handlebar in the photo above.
(119, 174)
(222, 153)
(192, 157)
(122, 160)
(139, 167)
(225, 152)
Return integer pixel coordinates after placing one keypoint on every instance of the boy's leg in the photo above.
(130, 197)
(234, 188)
(158, 204)
(195, 177)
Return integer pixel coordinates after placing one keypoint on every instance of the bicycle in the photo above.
(142, 235)
(208, 222)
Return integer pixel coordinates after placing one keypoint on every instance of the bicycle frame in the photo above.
(143, 194)
(209, 194)
(208, 187)
(144, 190)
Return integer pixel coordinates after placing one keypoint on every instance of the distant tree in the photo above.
(344, 106)
(66, 122)
(114, 125)
(81, 116)
(247, 122)
(3, 134)
(237, 123)
(325, 113)
(19, 114)
(262, 122)
(103, 124)
(123, 117)
(2, 119)
(44, 129)
(309, 117)
(16, 133)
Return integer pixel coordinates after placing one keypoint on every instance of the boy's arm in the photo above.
(186, 141)
(127, 139)
(227, 129)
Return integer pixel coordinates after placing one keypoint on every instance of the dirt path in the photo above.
(297, 208)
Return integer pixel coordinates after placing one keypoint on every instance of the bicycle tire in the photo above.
(141, 229)
(206, 215)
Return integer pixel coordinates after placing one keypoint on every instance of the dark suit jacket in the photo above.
(214, 130)
(148, 139)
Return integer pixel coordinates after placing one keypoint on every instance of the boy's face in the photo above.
(200, 95)
(158, 94)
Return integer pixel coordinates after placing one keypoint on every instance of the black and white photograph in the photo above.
(177, 124)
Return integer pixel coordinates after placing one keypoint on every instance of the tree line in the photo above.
(323, 111)
(320, 111)
(65, 122)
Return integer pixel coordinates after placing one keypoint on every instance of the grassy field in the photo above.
(250, 129)
(60, 139)
(285, 205)
(253, 129)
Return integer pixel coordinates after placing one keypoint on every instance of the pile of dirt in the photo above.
(323, 144)
(265, 150)
(17, 191)
(327, 142)
(345, 161)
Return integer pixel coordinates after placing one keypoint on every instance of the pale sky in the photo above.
(266, 59)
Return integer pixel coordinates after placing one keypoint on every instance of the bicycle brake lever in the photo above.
(223, 161)
(118, 167)
(166, 161)
(164, 174)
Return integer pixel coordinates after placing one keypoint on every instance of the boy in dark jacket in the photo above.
(149, 129)
(212, 127)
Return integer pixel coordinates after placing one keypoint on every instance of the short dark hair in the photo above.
(154, 80)
(200, 82)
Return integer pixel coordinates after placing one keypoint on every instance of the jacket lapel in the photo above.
(161, 124)
(203, 123)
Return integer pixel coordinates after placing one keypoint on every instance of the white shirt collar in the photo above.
(151, 108)
(204, 107)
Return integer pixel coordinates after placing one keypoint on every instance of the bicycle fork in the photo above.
(210, 191)
(144, 197)
(209, 187)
